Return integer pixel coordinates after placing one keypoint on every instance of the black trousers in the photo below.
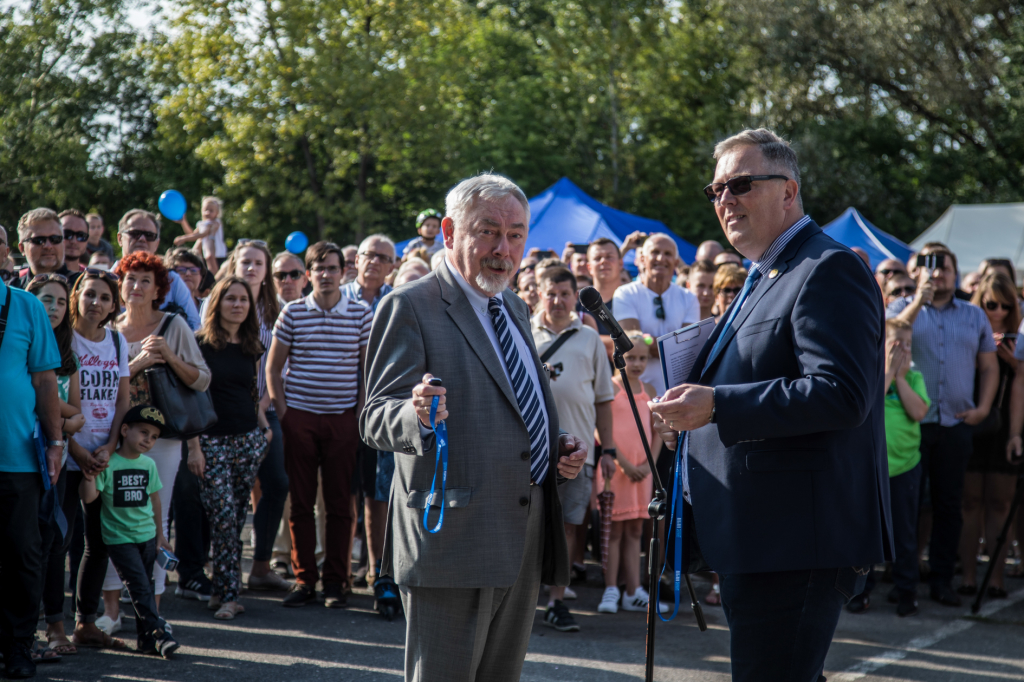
(945, 451)
(93, 569)
(53, 553)
(134, 564)
(781, 624)
(905, 502)
(191, 525)
(20, 557)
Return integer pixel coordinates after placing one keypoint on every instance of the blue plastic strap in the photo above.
(676, 522)
(441, 437)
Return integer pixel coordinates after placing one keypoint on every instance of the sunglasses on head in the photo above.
(730, 291)
(741, 184)
(136, 235)
(994, 305)
(254, 242)
(293, 275)
(908, 290)
(53, 239)
(74, 235)
(50, 277)
(659, 308)
(97, 272)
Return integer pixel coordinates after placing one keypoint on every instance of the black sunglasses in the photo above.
(136, 235)
(993, 305)
(659, 308)
(904, 291)
(730, 291)
(53, 239)
(74, 235)
(738, 185)
(885, 272)
(294, 275)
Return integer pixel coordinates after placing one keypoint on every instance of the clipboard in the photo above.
(679, 350)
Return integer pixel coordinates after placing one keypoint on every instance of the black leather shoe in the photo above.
(907, 605)
(945, 595)
(299, 595)
(334, 596)
(894, 596)
(18, 662)
(859, 604)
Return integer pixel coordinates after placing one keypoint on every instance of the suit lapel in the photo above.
(465, 318)
(766, 282)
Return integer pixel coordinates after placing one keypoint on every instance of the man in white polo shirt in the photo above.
(581, 385)
(652, 304)
(323, 339)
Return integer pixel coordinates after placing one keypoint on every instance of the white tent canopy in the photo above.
(977, 232)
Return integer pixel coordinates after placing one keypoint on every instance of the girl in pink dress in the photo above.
(631, 483)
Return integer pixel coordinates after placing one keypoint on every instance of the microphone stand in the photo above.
(656, 510)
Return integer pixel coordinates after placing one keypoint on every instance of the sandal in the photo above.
(41, 654)
(229, 610)
(105, 642)
(996, 592)
(63, 646)
(214, 603)
(714, 597)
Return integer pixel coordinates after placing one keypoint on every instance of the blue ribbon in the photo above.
(676, 521)
(441, 437)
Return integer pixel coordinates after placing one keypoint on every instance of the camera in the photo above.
(555, 370)
(932, 261)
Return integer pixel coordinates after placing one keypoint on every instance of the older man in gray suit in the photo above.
(470, 589)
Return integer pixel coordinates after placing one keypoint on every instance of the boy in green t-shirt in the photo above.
(130, 520)
(906, 404)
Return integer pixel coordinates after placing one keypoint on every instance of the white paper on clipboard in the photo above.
(679, 350)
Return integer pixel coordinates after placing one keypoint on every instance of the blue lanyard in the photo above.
(441, 437)
(676, 521)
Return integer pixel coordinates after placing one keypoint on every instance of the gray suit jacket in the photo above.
(429, 326)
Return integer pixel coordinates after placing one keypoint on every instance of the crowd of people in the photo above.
(278, 342)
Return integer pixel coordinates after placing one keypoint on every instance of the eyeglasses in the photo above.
(74, 235)
(53, 239)
(993, 305)
(908, 290)
(738, 185)
(329, 269)
(137, 235)
(886, 272)
(254, 242)
(730, 291)
(350, 264)
(294, 275)
(187, 270)
(379, 257)
(659, 308)
(6, 275)
(97, 272)
(50, 277)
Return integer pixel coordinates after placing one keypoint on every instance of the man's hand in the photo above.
(632, 241)
(686, 407)
(423, 394)
(607, 464)
(925, 291)
(667, 433)
(572, 455)
(53, 455)
(973, 417)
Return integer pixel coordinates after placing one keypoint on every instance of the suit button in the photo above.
(523, 501)
(524, 455)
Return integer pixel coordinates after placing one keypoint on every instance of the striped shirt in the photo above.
(323, 353)
(780, 243)
(947, 342)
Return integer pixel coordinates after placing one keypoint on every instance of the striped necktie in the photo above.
(526, 393)
(752, 278)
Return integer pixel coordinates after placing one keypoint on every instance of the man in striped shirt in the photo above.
(323, 339)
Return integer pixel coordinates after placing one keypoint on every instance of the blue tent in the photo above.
(565, 213)
(853, 229)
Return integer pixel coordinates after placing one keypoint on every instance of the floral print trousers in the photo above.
(232, 463)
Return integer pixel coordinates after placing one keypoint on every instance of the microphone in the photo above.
(590, 298)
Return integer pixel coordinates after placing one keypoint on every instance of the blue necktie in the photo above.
(752, 278)
(526, 394)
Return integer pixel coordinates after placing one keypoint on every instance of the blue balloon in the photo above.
(172, 204)
(296, 242)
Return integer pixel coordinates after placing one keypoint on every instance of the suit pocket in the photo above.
(453, 498)
(787, 460)
(757, 327)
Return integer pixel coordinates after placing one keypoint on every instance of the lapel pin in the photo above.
(773, 274)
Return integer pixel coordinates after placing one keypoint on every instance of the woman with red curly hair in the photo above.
(155, 338)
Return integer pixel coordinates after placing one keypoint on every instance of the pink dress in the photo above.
(631, 498)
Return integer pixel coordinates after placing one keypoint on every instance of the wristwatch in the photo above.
(611, 452)
(54, 443)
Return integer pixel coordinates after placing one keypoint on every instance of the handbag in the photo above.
(188, 413)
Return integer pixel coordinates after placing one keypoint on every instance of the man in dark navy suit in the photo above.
(785, 476)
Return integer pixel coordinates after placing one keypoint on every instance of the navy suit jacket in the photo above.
(794, 475)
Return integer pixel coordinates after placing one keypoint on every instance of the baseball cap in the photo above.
(146, 414)
(428, 213)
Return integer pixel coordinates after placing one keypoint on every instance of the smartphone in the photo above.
(434, 382)
(1010, 336)
(933, 261)
(580, 248)
(166, 560)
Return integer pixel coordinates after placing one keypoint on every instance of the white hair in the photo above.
(379, 237)
(486, 186)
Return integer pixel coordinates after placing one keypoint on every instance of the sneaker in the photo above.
(907, 605)
(559, 618)
(945, 595)
(569, 593)
(610, 600)
(282, 568)
(125, 597)
(109, 625)
(639, 600)
(198, 587)
(859, 604)
(166, 645)
(270, 582)
(299, 595)
(334, 596)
